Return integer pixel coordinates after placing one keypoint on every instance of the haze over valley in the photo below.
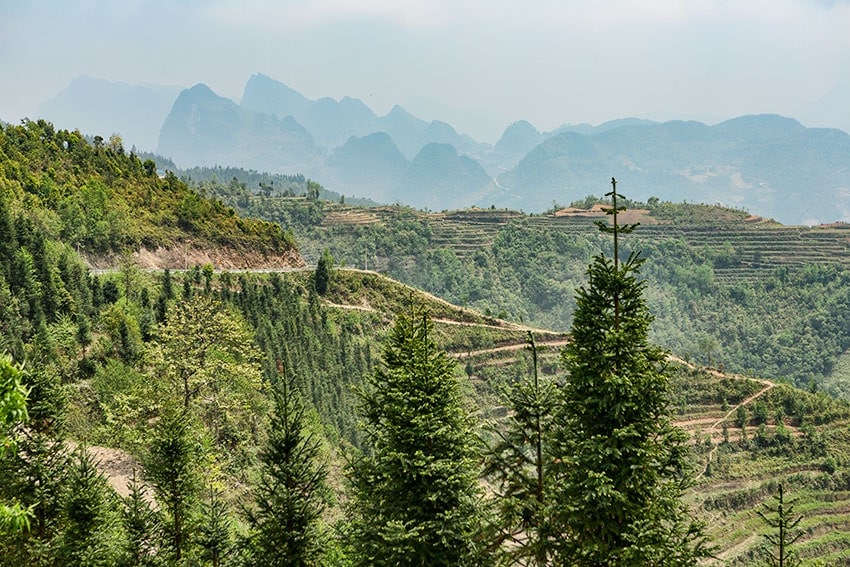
(770, 165)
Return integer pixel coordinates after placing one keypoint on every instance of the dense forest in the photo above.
(331, 416)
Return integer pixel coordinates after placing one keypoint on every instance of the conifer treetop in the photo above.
(615, 228)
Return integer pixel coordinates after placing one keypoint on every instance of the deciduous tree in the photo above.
(13, 412)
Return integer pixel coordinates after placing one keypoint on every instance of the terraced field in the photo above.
(787, 435)
(741, 248)
(801, 443)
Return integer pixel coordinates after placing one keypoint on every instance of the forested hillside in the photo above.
(210, 417)
(99, 200)
(726, 288)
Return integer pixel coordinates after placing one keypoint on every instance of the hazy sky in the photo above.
(479, 64)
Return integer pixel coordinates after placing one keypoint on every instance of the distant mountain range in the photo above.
(770, 165)
(97, 106)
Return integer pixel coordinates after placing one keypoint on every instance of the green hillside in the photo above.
(175, 378)
(726, 288)
(101, 201)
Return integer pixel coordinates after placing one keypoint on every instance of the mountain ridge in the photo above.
(771, 165)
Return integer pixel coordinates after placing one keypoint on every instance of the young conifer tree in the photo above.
(415, 491)
(90, 535)
(172, 467)
(517, 465)
(286, 520)
(781, 517)
(620, 462)
(142, 527)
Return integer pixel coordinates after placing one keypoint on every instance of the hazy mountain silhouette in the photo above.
(439, 178)
(405, 130)
(206, 129)
(333, 122)
(831, 109)
(768, 164)
(330, 122)
(101, 107)
(371, 165)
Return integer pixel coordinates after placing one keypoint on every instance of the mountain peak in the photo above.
(519, 138)
(201, 90)
(264, 94)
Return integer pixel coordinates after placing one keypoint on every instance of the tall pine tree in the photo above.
(415, 492)
(620, 462)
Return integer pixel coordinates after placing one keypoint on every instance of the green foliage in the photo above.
(36, 476)
(90, 537)
(13, 412)
(785, 523)
(101, 199)
(205, 358)
(172, 467)
(620, 462)
(415, 497)
(760, 298)
(141, 526)
(322, 275)
(215, 532)
(286, 526)
(327, 353)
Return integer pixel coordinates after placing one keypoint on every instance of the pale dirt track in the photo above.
(768, 385)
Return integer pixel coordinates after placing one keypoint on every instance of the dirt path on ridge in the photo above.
(768, 385)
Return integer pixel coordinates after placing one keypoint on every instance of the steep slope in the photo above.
(206, 129)
(105, 203)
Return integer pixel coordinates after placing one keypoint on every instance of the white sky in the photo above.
(479, 64)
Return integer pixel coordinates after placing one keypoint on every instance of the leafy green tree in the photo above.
(36, 475)
(415, 492)
(621, 464)
(517, 464)
(207, 357)
(313, 190)
(13, 412)
(288, 499)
